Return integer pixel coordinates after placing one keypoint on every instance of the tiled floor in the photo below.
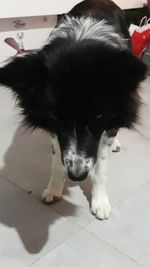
(66, 234)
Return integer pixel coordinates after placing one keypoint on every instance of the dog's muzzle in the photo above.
(77, 169)
(78, 178)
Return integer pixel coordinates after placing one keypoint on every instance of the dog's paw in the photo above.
(101, 208)
(116, 146)
(48, 196)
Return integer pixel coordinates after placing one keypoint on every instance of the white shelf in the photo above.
(22, 8)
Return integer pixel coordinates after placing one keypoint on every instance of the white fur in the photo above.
(88, 28)
(116, 145)
(100, 205)
(56, 183)
(71, 154)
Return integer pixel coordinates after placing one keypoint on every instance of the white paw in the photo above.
(116, 146)
(101, 208)
(48, 196)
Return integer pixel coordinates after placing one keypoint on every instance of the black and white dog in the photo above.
(81, 87)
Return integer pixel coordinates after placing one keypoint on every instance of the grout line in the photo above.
(35, 197)
(18, 187)
(112, 247)
(57, 246)
(53, 208)
(32, 196)
(103, 242)
(82, 228)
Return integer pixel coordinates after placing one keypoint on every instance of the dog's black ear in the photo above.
(130, 70)
(28, 78)
(23, 74)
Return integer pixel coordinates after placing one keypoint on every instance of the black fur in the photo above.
(69, 83)
(102, 9)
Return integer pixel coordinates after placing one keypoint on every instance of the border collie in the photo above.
(81, 87)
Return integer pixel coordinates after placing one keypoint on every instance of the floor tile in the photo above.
(9, 122)
(27, 161)
(76, 198)
(28, 228)
(128, 229)
(128, 169)
(84, 250)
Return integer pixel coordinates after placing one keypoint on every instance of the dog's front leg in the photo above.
(113, 140)
(100, 205)
(57, 180)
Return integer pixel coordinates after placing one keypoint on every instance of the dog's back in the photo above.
(102, 9)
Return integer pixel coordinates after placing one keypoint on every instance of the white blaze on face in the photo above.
(75, 161)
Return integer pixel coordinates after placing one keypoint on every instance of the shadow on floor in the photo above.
(27, 163)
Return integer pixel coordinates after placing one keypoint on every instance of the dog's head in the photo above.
(76, 91)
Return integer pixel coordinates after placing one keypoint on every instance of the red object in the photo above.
(140, 41)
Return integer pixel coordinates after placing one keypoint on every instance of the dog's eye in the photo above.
(53, 116)
(99, 116)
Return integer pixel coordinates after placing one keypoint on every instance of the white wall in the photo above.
(130, 3)
(21, 8)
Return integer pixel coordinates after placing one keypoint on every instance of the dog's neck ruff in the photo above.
(85, 28)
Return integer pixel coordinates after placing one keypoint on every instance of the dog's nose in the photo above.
(77, 168)
(75, 177)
